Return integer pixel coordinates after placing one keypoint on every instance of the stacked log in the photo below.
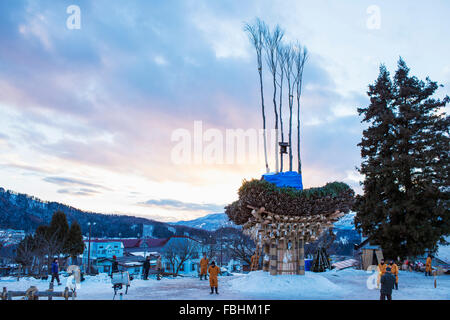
(273, 257)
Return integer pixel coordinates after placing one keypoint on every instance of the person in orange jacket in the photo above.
(381, 270)
(204, 266)
(428, 266)
(394, 271)
(213, 271)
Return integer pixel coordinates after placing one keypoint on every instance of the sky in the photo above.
(88, 115)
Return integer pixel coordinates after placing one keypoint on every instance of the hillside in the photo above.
(24, 212)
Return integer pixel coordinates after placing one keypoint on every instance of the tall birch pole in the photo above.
(300, 58)
(290, 77)
(271, 44)
(256, 35)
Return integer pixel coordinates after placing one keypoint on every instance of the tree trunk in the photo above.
(264, 119)
(290, 127)
(276, 122)
(298, 134)
(281, 119)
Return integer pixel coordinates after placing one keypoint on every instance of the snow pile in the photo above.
(101, 277)
(260, 282)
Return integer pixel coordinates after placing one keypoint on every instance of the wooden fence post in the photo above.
(50, 289)
(302, 257)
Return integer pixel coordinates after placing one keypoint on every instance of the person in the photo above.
(55, 271)
(158, 268)
(381, 270)
(146, 267)
(405, 265)
(203, 266)
(213, 271)
(253, 262)
(387, 284)
(114, 266)
(411, 266)
(428, 266)
(394, 271)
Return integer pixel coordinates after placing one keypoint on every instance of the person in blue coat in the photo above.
(55, 271)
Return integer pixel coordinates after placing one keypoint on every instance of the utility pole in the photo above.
(89, 249)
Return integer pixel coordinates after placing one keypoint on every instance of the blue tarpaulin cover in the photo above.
(285, 179)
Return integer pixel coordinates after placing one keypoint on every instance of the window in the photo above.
(193, 267)
(182, 267)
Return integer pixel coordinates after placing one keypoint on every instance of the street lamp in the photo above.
(89, 247)
(283, 150)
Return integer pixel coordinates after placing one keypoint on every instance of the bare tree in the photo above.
(47, 244)
(256, 35)
(301, 55)
(25, 253)
(289, 57)
(271, 44)
(178, 251)
(242, 248)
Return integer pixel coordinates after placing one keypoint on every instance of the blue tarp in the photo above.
(285, 179)
(308, 263)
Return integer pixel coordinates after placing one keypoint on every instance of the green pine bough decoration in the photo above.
(334, 196)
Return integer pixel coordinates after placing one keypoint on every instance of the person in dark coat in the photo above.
(55, 271)
(114, 266)
(387, 284)
(146, 267)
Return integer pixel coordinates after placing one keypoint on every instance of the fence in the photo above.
(33, 293)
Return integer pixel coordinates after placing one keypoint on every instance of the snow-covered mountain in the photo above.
(346, 222)
(211, 222)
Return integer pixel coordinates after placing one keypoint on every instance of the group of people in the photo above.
(146, 268)
(388, 277)
(213, 271)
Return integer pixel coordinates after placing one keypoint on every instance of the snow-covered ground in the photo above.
(348, 284)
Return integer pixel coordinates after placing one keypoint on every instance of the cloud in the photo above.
(79, 192)
(27, 167)
(62, 181)
(180, 205)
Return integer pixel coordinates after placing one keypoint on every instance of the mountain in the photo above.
(24, 212)
(211, 222)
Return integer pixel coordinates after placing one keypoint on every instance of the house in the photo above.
(101, 249)
(131, 254)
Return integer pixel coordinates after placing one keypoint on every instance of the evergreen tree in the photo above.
(74, 244)
(59, 228)
(405, 151)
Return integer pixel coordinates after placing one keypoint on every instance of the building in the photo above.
(101, 250)
(131, 254)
